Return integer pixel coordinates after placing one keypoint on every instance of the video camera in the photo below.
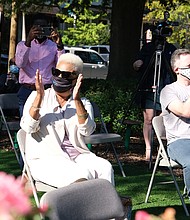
(164, 28)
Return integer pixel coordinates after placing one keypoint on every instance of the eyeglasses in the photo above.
(64, 74)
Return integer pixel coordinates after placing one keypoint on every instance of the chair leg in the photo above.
(179, 193)
(118, 161)
(152, 177)
(127, 137)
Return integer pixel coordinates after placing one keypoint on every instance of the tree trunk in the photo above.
(13, 34)
(126, 23)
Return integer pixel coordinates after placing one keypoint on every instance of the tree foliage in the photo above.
(24, 6)
(179, 12)
(83, 29)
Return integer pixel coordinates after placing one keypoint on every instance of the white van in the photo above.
(94, 64)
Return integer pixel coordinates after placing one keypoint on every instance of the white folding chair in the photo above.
(162, 159)
(9, 120)
(36, 186)
(104, 136)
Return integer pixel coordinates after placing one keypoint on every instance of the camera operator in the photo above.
(41, 50)
(146, 70)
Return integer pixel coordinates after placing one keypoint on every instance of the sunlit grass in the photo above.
(135, 185)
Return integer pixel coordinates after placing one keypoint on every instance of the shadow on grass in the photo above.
(135, 185)
(157, 210)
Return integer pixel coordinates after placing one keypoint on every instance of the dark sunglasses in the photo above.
(64, 74)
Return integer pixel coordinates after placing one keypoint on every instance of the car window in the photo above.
(95, 58)
(103, 50)
(94, 48)
(83, 55)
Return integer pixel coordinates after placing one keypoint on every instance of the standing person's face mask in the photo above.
(14, 69)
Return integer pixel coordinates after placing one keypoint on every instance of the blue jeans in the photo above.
(179, 151)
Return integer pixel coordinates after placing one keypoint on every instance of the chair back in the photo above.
(158, 125)
(96, 110)
(159, 128)
(91, 199)
(21, 137)
(9, 101)
(9, 107)
(98, 116)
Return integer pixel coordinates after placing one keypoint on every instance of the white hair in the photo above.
(72, 59)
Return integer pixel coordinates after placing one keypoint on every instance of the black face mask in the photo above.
(61, 85)
(41, 39)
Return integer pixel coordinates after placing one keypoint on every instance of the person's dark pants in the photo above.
(23, 94)
(179, 151)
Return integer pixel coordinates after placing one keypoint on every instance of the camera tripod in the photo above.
(157, 62)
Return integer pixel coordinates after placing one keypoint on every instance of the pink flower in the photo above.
(44, 208)
(142, 215)
(12, 197)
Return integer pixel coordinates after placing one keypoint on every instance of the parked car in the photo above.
(94, 64)
(103, 50)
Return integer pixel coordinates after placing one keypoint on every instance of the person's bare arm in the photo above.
(80, 109)
(34, 32)
(180, 108)
(56, 37)
(36, 105)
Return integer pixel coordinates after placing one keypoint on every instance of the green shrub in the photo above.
(114, 101)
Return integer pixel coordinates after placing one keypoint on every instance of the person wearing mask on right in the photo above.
(175, 102)
(41, 50)
(145, 67)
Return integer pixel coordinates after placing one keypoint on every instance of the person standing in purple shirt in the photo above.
(40, 51)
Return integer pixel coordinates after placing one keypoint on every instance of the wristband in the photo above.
(85, 115)
(35, 108)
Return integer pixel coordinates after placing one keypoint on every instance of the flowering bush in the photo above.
(169, 214)
(14, 200)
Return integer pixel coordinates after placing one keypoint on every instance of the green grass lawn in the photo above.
(134, 185)
(161, 197)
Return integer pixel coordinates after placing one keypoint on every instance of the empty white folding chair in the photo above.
(162, 159)
(104, 136)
